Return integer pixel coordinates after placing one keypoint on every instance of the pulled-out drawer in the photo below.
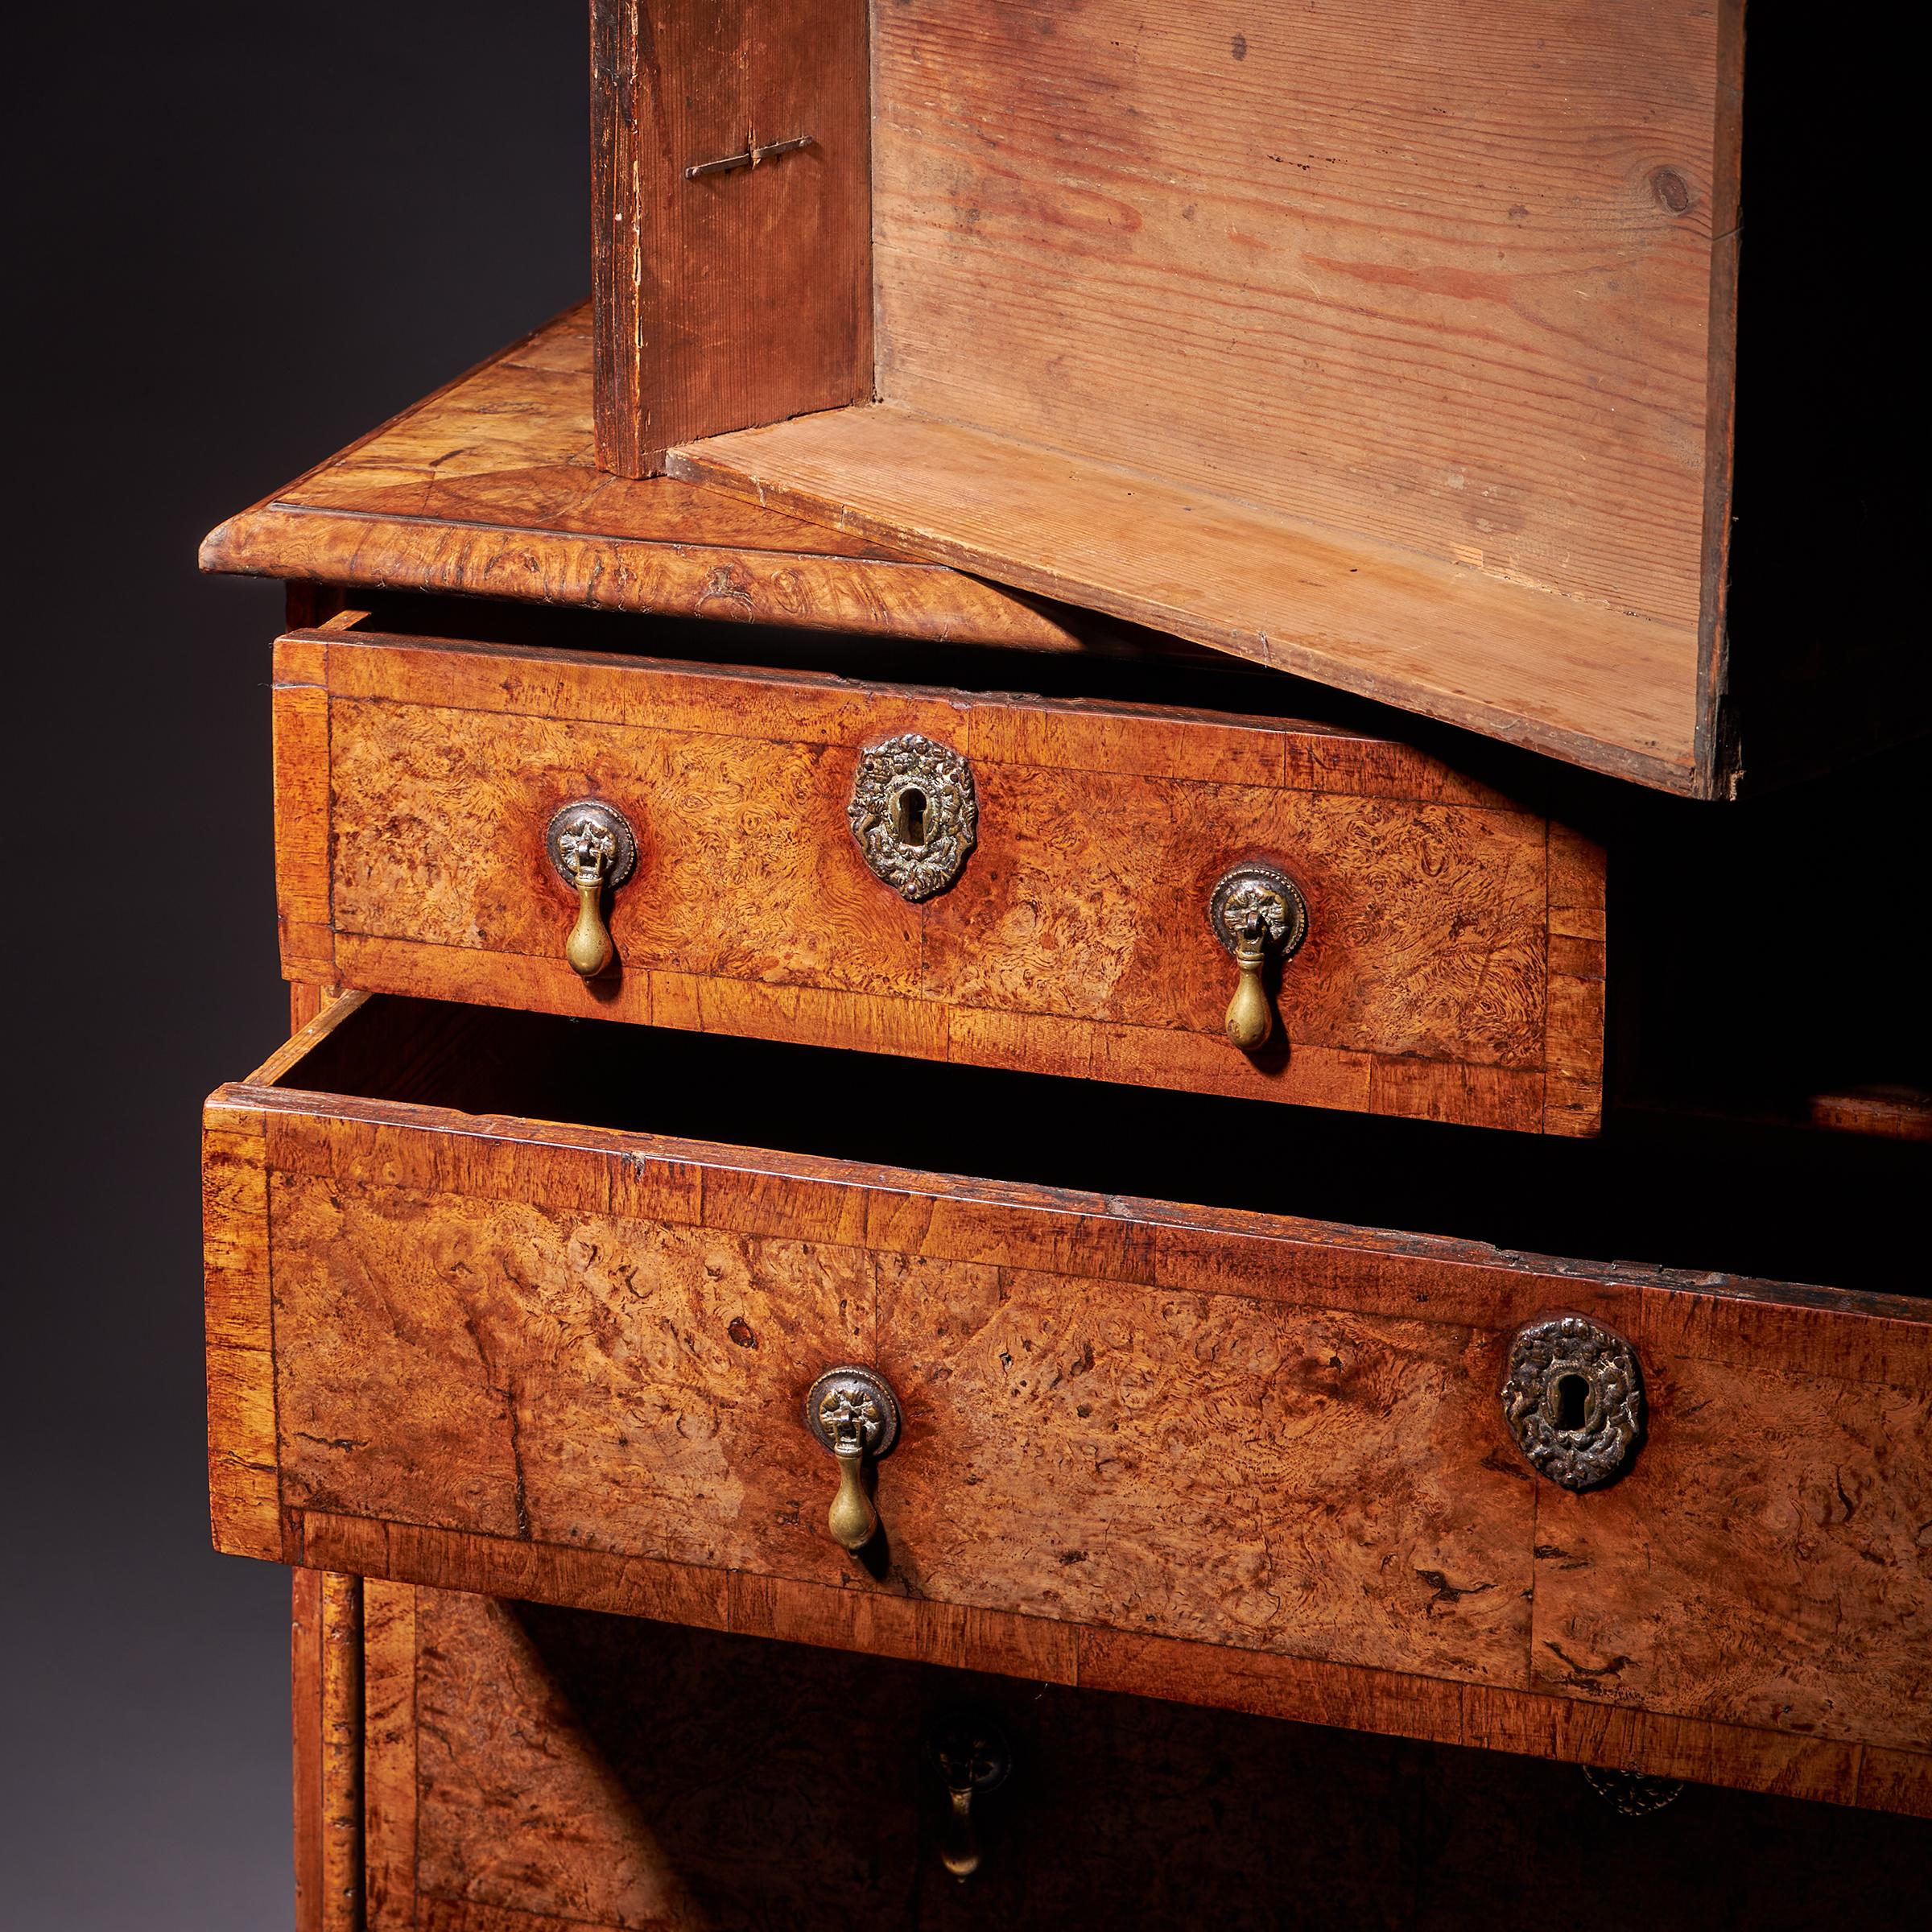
(1057, 885)
(1401, 1482)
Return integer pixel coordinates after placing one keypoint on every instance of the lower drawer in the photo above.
(1236, 1458)
(527, 1768)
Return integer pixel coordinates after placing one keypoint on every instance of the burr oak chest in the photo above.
(884, 1110)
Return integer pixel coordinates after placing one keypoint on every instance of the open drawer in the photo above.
(1205, 1452)
(982, 877)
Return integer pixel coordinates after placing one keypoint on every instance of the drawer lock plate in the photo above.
(1574, 1399)
(915, 814)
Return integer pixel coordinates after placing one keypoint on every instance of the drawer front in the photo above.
(545, 1770)
(1452, 968)
(1211, 1454)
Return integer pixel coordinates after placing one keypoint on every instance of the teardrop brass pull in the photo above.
(588, 948)
(591, 846)
(973, 1757)
(1250, 1019)
(855, 1416)
(1255, 912)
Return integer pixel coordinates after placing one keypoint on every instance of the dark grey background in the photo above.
(250, 232)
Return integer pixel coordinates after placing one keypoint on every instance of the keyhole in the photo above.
(910, 808)
(1572, 1401)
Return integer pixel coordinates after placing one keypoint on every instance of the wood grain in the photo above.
(664, 1483)
(1577, 985)
(1717, 747)
(742, 296)
(1205, 1466)
(1037, 1651)
(1657, 1599)
(1568, 1731)
(300, 743)
(1598, 686)
(504, 1349)
(1441, 282)
(1447, 976)
(1891, 1113)
(761, 1833)
(547, 1573)
(341, 1753)
(388, 1770)
(1410, 373)
(243, 1496)
(305, 1641)
(490, 487)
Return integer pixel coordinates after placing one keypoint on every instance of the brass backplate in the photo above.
(1635, 1793)
(861, 1393)
(915, 814)
(592, 812)
(1574, 1399)
(970, 1750)
(1255, 890)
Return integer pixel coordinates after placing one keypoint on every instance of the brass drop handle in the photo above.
(973, 1757)
(959, 1843)
(1255, 912)
(1249, 1020)
(589, 947)
(592, 847)
(855, 1416)
(852, 1519)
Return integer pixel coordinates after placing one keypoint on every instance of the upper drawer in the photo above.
(1205, 1452)
(1062, 857)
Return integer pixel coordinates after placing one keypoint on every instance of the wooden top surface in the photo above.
(490, 487)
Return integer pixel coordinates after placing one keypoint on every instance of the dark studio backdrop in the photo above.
(245, 233)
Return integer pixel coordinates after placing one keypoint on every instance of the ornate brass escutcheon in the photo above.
(914, 814)
(973, 1757)
(592, 847)
(1574, 1399)
(1257, 912)
(855, 1416)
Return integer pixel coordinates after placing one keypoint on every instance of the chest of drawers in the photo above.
(1446, 1358)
